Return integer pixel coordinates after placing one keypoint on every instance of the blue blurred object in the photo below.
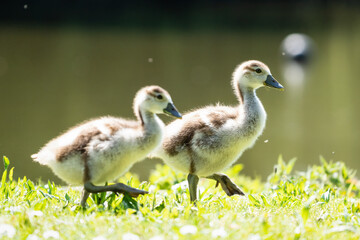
(297, 51)
(298, 47)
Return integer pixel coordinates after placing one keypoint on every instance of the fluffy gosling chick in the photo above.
(102, 149)
(208, 140)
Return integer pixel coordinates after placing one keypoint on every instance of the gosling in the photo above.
(104, 148)
(210, 139)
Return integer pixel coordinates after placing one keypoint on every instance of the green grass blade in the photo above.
(6, 162)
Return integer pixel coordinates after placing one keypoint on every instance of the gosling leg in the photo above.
(193, 181)
(229, 187)
(116, 188)
(85, 195)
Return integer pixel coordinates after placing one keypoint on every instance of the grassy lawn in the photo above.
(320, 203)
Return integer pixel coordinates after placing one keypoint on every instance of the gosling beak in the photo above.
(271, 82)
(171, 110)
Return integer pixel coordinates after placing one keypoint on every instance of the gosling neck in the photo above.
(247, 95)
(252, 110)
(251, 104)
(149, 121)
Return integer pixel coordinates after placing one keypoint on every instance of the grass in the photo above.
(320, 203)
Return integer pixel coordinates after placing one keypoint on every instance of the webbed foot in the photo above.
(116, 188)
(229, 187)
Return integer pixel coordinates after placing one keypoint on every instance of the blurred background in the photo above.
(62, 62)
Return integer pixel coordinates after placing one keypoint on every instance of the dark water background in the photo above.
(53, 76)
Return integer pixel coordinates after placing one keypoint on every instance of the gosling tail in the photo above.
(34, 157)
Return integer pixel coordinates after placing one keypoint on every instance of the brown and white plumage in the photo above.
(102, 149)
(208, 140)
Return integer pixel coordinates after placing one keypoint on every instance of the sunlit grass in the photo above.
(320, 203)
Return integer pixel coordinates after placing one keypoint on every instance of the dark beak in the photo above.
(271, 82)
(171, 110)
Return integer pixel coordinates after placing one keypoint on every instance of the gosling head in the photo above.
(254, 74)
(156, 100)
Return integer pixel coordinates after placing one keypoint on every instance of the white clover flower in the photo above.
(159, 237)
(51, 234)
(99, 238)
(32, 237)
(152, 189)
(254, 237)
(188, 229)
(7, 230)
(182, 185)
(35, 213)
(180, 208)
(130, 236)
(13, 209)
(220, 232)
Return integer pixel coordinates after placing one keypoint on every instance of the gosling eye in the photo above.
(159, 97)
(258, 70)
